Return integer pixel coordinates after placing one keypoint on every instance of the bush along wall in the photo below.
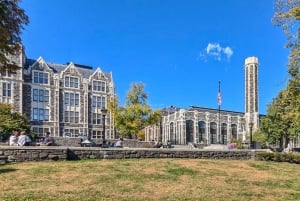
(278, 157)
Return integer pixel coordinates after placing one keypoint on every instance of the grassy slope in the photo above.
(150, 179)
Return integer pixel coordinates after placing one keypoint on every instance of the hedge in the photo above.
(278, 157)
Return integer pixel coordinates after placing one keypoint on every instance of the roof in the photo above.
(85, 71)
(171, 109)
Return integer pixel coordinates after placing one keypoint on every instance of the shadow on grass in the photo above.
(6, 170)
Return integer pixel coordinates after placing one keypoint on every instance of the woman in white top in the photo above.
(13, 139)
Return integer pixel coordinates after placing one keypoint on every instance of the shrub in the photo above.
(278, 157)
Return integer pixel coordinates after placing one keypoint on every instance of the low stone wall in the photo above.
(24, 154)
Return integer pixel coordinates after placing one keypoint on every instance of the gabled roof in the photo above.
(85, 71)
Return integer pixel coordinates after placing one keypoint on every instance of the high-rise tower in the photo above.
(251, 93)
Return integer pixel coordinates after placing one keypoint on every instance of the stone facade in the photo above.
(61, 98)
(201, 126)
(251, 93)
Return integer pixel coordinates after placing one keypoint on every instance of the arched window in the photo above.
(234, 131)
(213, 133)
(201, 125)
(224, 133)
(189, 131)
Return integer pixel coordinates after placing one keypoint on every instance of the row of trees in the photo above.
(282, 122)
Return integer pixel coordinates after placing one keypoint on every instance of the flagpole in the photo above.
(219, 104)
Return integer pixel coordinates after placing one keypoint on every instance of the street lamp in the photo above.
(104, 112)
(251, 126)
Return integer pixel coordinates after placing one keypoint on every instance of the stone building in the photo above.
(211, 126)
(65, 99)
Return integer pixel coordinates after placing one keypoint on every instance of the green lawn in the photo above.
(150, 179)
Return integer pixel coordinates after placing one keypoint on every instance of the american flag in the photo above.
(219, 98)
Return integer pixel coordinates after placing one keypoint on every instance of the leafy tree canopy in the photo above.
(12, 21)
(10, 121)
(282, 122)
(136, 114)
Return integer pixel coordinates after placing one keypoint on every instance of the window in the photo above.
(234, 131)
(99, 86)
(40, 77)
(73, 132)
(97, 134)
(213, 133)
(189, 131)
(71, 117)
(71, 99)
(98, 102)
(6, 89)
(97, 118)
(40, 95)
(201, 126)
(40, 114)
(71, 82)
(224, 133)
(40, 131)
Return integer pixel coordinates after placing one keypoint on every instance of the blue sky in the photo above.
(179, 49)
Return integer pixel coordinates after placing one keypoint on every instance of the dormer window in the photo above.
(40, 77)
(71, 82)
(99, 86)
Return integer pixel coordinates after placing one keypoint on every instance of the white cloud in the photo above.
(216, 51)
(228, 51)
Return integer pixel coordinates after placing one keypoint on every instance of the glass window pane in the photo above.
(66, 98)
(4, 89)
(41, 78)
(67, 82)
(76, 99)
(35, 77)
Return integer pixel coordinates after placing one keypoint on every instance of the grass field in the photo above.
(150, 179)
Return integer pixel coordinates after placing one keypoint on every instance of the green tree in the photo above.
(287, 16)
(136, 114)
(282, 122)
(12, 21)
(10, 121)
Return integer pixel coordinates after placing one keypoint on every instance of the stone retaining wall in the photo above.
(24, 154)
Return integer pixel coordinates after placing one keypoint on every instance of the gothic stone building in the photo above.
(60, 98)
(211, 126)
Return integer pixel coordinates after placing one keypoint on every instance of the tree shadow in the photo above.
(6, 170)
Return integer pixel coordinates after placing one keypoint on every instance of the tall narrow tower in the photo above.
(251, 93)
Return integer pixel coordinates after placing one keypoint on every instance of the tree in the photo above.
(282, 122)
(136, 114)
(10, 121)
(12, 21)
(287, 13)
